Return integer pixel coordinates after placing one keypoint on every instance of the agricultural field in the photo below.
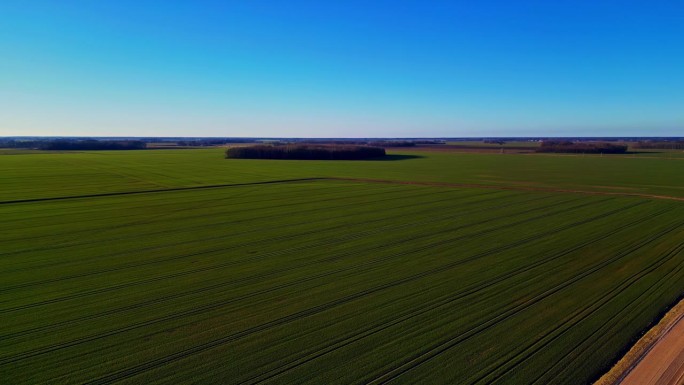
(50, 174)
(169, 266)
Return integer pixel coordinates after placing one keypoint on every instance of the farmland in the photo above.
(168, 266)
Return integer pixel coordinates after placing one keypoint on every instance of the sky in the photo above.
(348, 68)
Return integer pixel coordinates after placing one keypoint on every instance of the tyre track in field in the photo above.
(320, 244)
(335, 197)
(166, 214)
(353, 236)
(437, 303)
(231, 222)
(362, 180)
(147, 220)
(464, 336)
(232, 283)
(152, 191)
(247, 244)
(641, 298)
(331, 191)
(348, 253)
(575, 318)
(159, 202)
(81, 234)
(666, 257)
(162, 200)
(251, 230)
(40, 351)
(508, 187)
(82, 237)
(441, 347)
(138, 369)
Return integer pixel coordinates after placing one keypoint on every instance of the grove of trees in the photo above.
(563, 146)
(306, 152)
(75, 144)
(665, 145)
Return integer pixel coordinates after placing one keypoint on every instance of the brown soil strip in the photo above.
(657, 358)
(519, 188)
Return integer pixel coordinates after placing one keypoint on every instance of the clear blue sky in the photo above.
(341, 68)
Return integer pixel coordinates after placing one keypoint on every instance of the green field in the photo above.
(72, 174)
(169, 266)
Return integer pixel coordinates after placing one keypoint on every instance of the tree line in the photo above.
(306, 152)
(665, 145)
(211, 142)
(392, 143)
(70, 145)
(581, 147)
(373, 143)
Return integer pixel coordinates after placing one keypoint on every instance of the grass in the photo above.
(328, 281)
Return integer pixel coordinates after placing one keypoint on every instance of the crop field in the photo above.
(80, 173)
(169, 266)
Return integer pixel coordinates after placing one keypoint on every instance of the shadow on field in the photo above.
(393, 157)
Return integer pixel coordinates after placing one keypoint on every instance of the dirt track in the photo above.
(664, 363)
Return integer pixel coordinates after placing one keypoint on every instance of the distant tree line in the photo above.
(664, 145)
(68, 144)
(20, 143)
(306, 152)
(392, 143)
(373, 143)
(211, 142)
(581, 147)
(430, 141)
(319, 142)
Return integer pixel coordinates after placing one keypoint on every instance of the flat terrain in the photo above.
(166, 266)
(79, 173)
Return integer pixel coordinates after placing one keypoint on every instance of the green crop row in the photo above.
(324, 281)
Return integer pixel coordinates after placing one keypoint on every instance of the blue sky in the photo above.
(342, 68)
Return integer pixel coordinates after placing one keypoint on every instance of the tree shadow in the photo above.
(395, 157)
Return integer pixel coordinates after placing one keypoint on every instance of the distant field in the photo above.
(478, 143)
(529, 147)
(64, 174)
(331, 281)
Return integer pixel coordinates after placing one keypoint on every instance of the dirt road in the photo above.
(664, 363)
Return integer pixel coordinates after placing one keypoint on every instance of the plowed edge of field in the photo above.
(643, 346)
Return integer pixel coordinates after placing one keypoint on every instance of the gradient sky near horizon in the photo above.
(342, 68)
